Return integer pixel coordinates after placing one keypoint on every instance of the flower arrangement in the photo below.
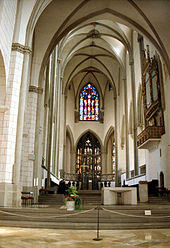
(70, 197)
(73, 196)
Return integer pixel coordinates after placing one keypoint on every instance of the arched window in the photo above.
(89, 103)
(88, 161)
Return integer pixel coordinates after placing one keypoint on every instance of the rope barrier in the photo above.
(48, 217)
(82, 212)
(136, 216)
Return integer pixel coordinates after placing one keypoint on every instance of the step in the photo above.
(51, 199)
(87, 196)
(116, 217)
(159, 200)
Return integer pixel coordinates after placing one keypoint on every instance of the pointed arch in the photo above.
(92, 132)
(2, 80)
(95, 83)
(110, 151)
(70, 134)
(107, 137)
(69, 150)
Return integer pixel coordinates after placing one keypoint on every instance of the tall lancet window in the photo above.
(89, 103)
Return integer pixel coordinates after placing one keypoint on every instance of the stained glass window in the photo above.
(113, 156)
(89, 103)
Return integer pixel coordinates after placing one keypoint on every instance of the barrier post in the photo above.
(97, 238)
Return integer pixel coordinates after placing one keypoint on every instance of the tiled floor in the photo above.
(12, 237)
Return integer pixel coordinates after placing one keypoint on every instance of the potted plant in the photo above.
(72, 199)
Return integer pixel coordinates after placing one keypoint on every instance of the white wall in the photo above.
(7, 23)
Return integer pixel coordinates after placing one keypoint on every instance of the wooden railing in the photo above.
(151, 132)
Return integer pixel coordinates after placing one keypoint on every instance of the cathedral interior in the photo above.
(84, 97)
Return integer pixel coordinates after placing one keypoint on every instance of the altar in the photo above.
(119, 196)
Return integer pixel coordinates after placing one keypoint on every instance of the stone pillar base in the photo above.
(10, 195)
(143, 191)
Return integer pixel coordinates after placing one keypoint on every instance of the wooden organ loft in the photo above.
(153, 111)
(88, 162)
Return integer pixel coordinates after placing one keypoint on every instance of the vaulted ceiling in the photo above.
(95, 52)
(95, 35)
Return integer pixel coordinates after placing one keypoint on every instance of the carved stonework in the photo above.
(107, 177)
(35, 89)
(94, 34)
(20, 48)
(70, 177)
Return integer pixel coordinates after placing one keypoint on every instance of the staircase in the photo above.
(50, 213)
(90, 196)
(162, 200)
(87, 196)
(110, 217)
(51, 199)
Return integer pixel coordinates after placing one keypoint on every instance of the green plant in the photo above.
(73, 196)
(72, 190)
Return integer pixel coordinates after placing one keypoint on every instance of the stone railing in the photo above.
(75, 177)
(132, 173)
(142, 169)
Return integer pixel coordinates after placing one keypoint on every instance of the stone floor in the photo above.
(12, 237)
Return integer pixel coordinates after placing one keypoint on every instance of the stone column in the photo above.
(136, 167)
(20, 122)
(38, 149)
(55, 106)
(58, 107)
(104, 161)
(60, 130)
(46, 111)
(126, 127)
(116, 145)
(73, 160)
(65, 167)
(50, 120)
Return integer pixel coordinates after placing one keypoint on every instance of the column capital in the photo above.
(21, 48)
(35, 89)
